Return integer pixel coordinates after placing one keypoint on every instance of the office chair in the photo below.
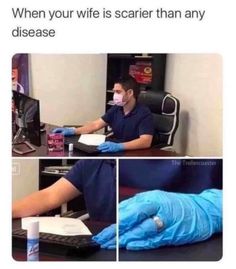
(165, 110)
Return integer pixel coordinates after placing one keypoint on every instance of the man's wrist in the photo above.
(122, 146)
(76, 131)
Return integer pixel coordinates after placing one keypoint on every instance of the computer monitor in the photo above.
(25, 123)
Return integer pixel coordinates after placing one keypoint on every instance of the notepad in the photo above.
(58, 225)
(92, 139)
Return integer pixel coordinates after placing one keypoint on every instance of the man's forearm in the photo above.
(86, 129)
(140, 143)
(91, 127)
(42, 201)
(34, 204)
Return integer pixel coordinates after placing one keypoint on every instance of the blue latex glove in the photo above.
(110, 147)
(185, 218)
(107, 237)
(64, 131)
(179, 219)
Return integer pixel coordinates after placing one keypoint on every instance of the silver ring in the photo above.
(158, 222)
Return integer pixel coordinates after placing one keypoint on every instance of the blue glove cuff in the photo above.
(121, 147)
(70, 131)
(211, 201)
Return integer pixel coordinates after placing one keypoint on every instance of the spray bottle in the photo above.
(33, 241)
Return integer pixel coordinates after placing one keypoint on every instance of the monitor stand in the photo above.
(20, 145)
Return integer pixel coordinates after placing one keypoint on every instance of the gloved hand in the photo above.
(107, 237)
(110, 147)
(181, 218)
(157, 218)
(64, 131)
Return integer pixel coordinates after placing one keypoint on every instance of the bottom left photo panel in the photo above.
(59, 206)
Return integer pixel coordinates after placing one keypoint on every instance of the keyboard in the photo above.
(79, 245)
(80, 146)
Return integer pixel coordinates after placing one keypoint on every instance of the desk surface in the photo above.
(42, 151)
(19, 254)
(209, 250)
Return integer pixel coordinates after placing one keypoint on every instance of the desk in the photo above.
(19, 254)
(42, 151)
(209, 250)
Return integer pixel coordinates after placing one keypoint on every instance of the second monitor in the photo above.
(25, 123)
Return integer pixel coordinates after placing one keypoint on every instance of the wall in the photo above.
(196, 80)
(71, 88)
(25, 177)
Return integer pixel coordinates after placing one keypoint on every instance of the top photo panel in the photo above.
(128, 105)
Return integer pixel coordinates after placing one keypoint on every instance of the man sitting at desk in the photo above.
(131, 122)
(96, 179)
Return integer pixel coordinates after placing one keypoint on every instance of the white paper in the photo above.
(92, 139)
(58, 225)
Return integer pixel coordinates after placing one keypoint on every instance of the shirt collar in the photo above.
(132, 112)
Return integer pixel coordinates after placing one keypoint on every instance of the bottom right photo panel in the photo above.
(170, 209)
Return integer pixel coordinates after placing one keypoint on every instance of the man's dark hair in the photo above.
(127, 83)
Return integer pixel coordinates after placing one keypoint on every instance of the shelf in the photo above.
(52, 174)
(130, 57)
(59, 170)
(143, 57)
(121, 56)
(110, 103)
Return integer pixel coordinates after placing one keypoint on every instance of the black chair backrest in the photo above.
(165, 110)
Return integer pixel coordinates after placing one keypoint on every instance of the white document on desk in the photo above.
(58, 225)
(92, 139)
